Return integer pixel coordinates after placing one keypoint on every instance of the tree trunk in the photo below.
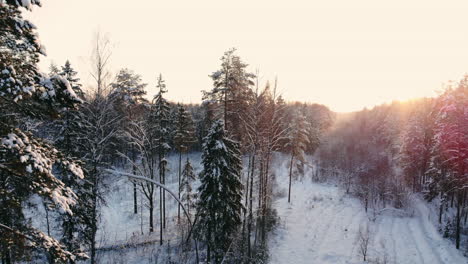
(249, 244)
(135, 204)
(161, 216)
(290, 177)
(180, 172)
(47, 218)
(457, 231)
(246, 205)
(94, 214)
(265, 198)
(164, 195)
(440, 211)
(151, 208)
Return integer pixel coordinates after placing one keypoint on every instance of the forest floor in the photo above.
(322, 223)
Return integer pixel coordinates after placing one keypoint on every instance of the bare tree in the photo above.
(146, 164)
(94, 141)
(364, 239)
(100, 58)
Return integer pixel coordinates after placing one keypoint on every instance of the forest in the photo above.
(96, 174)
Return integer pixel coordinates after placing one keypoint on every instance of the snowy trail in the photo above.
(321, 226)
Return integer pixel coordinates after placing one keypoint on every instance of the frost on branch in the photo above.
(31, 162)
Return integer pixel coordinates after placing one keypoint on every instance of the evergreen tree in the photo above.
(183, 139)
(69, 124)
(128, 88)
(231, 90)
(159, 122)
(297, 140)
(188, 197)
(220, 192)
(28, 165)
(71, 75)
(127, 93)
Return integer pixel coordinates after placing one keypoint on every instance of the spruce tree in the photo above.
(183, 139)
(220, 192)
(188, 197)
(159, 122)
(297, 140)
(71, 75)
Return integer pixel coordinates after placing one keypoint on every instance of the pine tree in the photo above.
(220, 192)
(188, 197)
(297, 140)
(75, 229)
(27, 162)
(128, 88)
(231, 90)
(127, 93)
(69, 124)
(159, 121)
(183, 139)
(71, 75)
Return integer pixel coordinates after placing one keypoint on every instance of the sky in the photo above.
(344, 54)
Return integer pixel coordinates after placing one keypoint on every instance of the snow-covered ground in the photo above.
(123, 236)
(321, 225)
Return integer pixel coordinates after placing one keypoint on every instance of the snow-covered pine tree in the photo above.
(71, 75)
(159, 122)
(28, 164)
(74, 228)
(297, 140)
(69, 123)
(188, 197)
(183, 139)
(219, 207)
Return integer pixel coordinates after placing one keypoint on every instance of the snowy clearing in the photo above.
(321, 225)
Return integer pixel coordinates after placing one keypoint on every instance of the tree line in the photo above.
(386, 154)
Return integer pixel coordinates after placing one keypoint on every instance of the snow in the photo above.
(120, 232)
(321, 225)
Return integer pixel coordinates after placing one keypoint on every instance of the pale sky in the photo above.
(345, 54)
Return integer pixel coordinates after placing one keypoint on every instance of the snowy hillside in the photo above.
(322, 223)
